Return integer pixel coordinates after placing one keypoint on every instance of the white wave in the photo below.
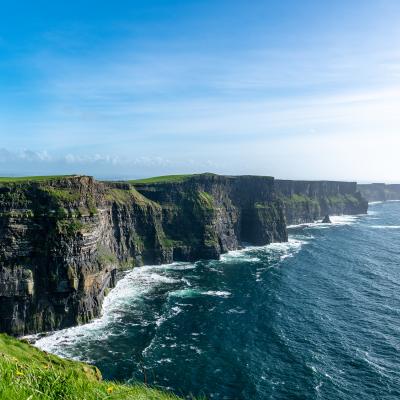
(175, 266)
(127, 291)
(385, 226)
(241, 255)
(310, 225)
(172, 312)
(184, 293)
(344, 219)
(291, 244)
(371, 203)
(196, 349)
(283, 249)
(237, 310)
(164, 360)
(217, 293)
(303, 225)
(195, 292)
(335, 220)
(186, 282)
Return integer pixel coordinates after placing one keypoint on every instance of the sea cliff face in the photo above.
(380, 191)
(207, 214)
(307, 201)
(62, 240)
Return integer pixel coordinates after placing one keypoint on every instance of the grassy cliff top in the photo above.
(23, 179)
(151, 180)
(163, 179)
(29, 373)
(182, 178)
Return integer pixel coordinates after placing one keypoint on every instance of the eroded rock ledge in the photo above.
(62, 240)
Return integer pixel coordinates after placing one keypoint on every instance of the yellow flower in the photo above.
(19, 373)
(110, 389)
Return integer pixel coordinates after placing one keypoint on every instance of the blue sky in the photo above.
(294, 89)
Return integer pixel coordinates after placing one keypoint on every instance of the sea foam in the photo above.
(128, 290)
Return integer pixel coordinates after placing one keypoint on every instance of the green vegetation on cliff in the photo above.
(297, 201)
(124, 196)
(28, 373)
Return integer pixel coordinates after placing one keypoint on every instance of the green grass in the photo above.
(123, 196)
(63, 195)
(32, 178)
(206, 198)
(70, 227)
(26, 373)
(162, 179)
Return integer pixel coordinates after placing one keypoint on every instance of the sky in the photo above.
(296, 89)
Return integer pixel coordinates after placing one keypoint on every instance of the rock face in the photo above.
(62, 240)
(208, 214)
(326, 220)
(51, 274)
(307, 201)
(380, 191)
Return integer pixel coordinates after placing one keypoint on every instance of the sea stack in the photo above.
(326, 220)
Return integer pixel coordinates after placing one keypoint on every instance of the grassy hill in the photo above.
(26, 373)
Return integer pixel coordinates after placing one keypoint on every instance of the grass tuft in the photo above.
(28, 373)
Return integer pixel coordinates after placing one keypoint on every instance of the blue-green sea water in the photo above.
(316, 318)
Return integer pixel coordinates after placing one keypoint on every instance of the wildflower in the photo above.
(19, 373)
(110, 389)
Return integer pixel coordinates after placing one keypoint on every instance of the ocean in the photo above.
(315, 318)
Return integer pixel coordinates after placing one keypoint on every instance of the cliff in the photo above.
(307, 201)
(63, 239)
(380, 191)
(206, 215)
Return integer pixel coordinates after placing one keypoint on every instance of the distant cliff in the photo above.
(380, 191)
(307, 201)
(63, 239)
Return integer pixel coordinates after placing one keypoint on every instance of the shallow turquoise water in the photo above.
(317, 318)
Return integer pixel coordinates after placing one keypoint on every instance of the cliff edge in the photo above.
(63, 239)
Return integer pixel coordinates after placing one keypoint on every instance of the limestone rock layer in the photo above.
(63, 240)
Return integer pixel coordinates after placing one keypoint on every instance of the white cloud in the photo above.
(24, 155)
(255, 111)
